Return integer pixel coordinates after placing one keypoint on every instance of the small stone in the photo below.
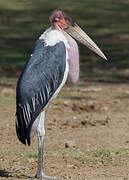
(74, 117)
(70, 144)
(66, 103)
(105, 108)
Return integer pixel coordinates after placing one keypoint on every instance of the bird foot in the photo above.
(43, 177)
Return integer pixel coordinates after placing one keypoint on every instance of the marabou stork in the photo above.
(54, 57)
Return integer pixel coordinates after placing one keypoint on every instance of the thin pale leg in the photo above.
(41, 133)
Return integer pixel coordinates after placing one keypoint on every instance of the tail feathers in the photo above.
(23, 123)
(23, 139)
(22, 133)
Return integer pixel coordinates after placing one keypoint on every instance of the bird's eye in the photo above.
(56, 19)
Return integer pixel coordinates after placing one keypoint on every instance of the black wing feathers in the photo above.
(41, 77)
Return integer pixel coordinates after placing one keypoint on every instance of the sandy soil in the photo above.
(87, 117)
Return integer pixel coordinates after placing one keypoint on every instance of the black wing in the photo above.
(41, 77)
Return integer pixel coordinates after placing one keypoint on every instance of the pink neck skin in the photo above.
(73, 60)
(73, 54)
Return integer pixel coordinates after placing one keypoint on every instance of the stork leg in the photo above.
(41, 133)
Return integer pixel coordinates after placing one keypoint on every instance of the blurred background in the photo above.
(92, 117)
(106, 22)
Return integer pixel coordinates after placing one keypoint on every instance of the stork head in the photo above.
(63, 22)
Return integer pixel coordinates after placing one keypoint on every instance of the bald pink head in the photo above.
(59, 18)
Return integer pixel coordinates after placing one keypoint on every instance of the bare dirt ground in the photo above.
(87, 135)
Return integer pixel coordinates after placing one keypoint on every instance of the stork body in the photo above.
(55, 56)
(42, 78)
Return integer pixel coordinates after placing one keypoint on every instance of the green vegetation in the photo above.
(7, 103)
(4, 101)
(104, 157)
(31, 155)
(22, 22)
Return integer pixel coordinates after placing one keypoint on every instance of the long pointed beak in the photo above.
(77, 33)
